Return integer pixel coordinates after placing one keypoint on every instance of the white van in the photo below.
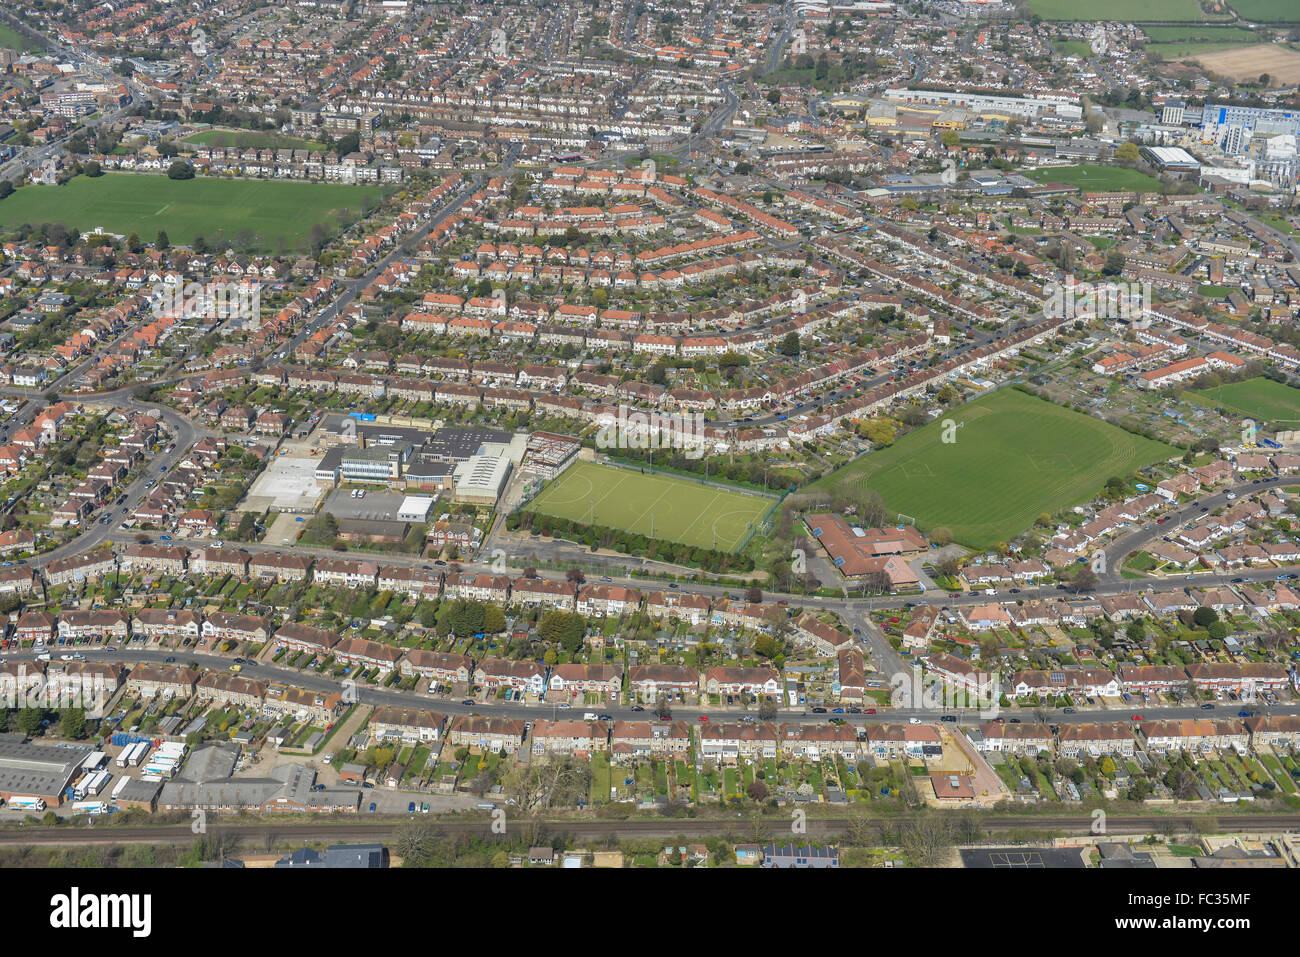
(589, 716)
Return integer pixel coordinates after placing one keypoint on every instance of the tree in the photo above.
(180, 170)
(247, 527)
(162, 242)
(1205, 616)
(790, 344)
(662, 710)
(323, 529)
(757, 790)
(564, 628)
(927, 840)
(73, 721)
(347, 144)
(1085, 580)
(767, 708)
(950, 138)
(92, 169)
(1127, 153)
(753, 594)
(29, 721)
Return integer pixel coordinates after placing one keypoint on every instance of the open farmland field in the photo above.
(277, 214)
(1125, 11)
(1249, 62)
(1260, 399)
(1014, 457)
(1268, 11)
(1096, 179)
(657, 506)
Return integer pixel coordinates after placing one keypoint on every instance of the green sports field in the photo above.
(1014, 457)
(275, 213)
(1096, 179)
(657, 506)
(1260, 399)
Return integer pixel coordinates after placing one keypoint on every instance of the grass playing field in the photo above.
(278, 214)
(1260, 399)
(657, 506)
(1014, 457)
(250, 139)
(1096, 179)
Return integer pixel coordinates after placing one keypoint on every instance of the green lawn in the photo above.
(1261, 399)
(274, 212)
(1096, 179)
(11, 39)
(1014, 457)
(1126, 11)
(256, 139)
(1077, 48)
(657, 506)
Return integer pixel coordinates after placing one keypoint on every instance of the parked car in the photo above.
(410, 808)
(372, 807)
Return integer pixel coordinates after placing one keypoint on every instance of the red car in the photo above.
(1137, 717)
(871, 711)
(704, 717)
(893, 621)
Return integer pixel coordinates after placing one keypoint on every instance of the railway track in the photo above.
(740, 827)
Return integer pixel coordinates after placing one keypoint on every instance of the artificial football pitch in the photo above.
(1012, 457)
(657, 506)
